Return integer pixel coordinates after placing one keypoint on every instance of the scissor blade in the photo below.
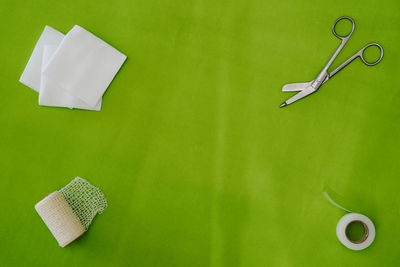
(298, 96)
(292, 87)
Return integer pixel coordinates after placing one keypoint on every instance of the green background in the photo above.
(199, 164)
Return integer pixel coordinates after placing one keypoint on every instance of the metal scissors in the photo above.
(311, 87)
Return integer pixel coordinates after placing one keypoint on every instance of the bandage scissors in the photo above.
(311, 87)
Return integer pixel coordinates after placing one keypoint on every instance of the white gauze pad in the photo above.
(69, 212)
(33, 70)
(84, 65)
(51, 94)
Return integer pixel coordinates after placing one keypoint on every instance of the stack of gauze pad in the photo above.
(69, 211)
(72, 70)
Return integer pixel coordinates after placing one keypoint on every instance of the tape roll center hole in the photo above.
(357, 232)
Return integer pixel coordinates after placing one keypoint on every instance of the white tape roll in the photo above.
(369, 231)
(60, 218)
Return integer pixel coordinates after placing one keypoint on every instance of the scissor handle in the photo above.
(348, 35)
(361, 54)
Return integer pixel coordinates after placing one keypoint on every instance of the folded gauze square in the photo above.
(84, 65)
(51, 94)
(33, 70)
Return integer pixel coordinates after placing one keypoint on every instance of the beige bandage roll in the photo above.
(60, 218)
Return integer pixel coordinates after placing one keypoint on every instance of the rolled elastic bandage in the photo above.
(69, 212)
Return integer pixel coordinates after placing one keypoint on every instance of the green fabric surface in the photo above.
(199, 164)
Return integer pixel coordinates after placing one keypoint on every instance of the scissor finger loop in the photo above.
(361, 54)
(352, 28)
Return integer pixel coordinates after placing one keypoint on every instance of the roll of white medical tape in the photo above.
(369, 231)
(60, 218)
